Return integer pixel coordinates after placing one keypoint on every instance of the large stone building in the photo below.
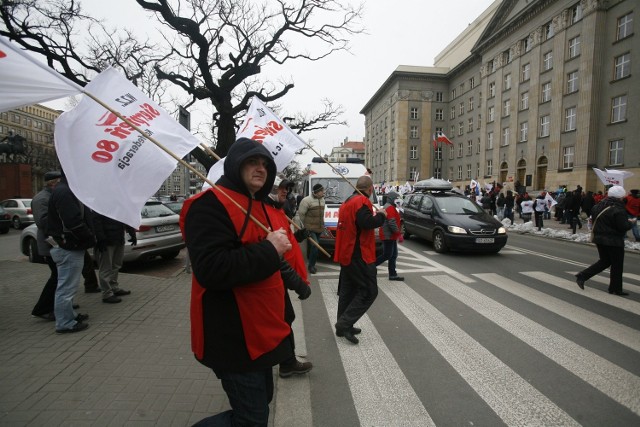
(536, 91)
(347, 150)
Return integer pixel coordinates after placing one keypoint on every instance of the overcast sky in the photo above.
(399, 32)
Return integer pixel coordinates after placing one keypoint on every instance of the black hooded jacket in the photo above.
(611, 225)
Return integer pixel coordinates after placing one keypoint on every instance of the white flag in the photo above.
(25, 81)
(110, 166)
(262, 125)
(612, 176)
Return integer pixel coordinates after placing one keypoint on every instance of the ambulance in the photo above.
(336, 190)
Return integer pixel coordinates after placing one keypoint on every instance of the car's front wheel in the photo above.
(438, 242)
(17, 224)
(4, 230)
(34, 256)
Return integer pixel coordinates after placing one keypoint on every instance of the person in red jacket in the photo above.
(356, 253)
(238, 328)
(390, 234)
(632, 205)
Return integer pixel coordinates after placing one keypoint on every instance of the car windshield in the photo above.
(457, 206)
(337, 190)
(155, 210)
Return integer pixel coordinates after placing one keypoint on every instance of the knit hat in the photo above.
(317, 188)
(617, 191)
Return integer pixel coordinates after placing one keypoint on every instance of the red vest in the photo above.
(294, 257)
(347, 233)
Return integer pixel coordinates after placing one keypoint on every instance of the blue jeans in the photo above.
(249, 395)
(69, 265)
(390, 253)
(313, 249)
(634, 229)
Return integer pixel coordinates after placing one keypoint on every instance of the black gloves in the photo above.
(304, 293)
(293, 281)
(301, 234)
(133, 240)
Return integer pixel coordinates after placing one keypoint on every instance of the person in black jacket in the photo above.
(610, 227)
(109, 253)
(238, 328)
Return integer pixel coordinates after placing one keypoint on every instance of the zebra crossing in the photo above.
(553, 361)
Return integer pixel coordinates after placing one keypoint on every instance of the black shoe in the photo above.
(354, 331)
(297, 368)
(49, 317)
(621, 293)
(76, 306)
(348, 334)
(312, 269)
(81, 317)
(92, 290)
(112, 300)
(76, 328)
(398, 278)
(580, 282)
(121, 292)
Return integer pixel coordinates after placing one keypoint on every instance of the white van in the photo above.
(336, 191)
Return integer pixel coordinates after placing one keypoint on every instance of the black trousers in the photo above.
(610, 256)
(89, 273)
(48, 294)
(357, 290)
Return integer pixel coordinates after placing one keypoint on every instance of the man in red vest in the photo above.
(356, 253)
(238, 328)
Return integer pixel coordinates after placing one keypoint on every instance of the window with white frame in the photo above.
(547, 61)
(622, 66)
(492, 89)
(478, 146)
(452, 113)
(491, 66)
(505, 136)
(524, 131)
(461, 108)
(470, 125)
(413, 113)
(491, 113)
(412, 173)
(549, 30)
(176, 188)
(568, 154)
(545, 123)
(439, 153)
(471, 104)
(413, 152)
(472, 82)
(619, 109)
(625, 26)
(576, 13)
(572, 82)
(459, 172)
(506, 55)
(489, 167)
(413, 132)
(506, 108)
(439, 114)
(460, 128)
(616, 149)
(507, 81)
(479, 120)
(526, 44)
(524, 101)
(451, 152)
(454, 93)
(489, 140)
(176, 178)
(453, 130)
(469, 147)
(469, 171)
(574, 47)
(439, 97)
(460, 149)
(546, 92)
(526, 72)
(570, 119)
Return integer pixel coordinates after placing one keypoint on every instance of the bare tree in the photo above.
(214, 50)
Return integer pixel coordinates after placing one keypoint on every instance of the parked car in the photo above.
(158, 235)
(450, 220)
(174, 206)
(5, 221)
(20, 211)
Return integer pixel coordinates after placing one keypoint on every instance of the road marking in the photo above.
(381, 392)
(514, 400)
(617, 383)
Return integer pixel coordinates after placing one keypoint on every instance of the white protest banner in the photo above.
(110, 166)
(25, 81)
(262, 125)
(612, 176)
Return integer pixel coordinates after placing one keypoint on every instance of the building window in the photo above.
(439, 114)
(414, 132)
(413, 113)
(547, 61)
(491, 114)
(570, 119)
(469, 147)
(413, 152)
(524, 131)
(451, 153)
(574, 47)
(490, 141)
(176, 189)
(616, 148)
(491, 66)
(453, 130)
(461, 108)
(452, 113)
(439, 153)
(460, 172)
(489, 167)
(576, 13)
(506, 56)
(526, 44)
(492, 89)
(619, 109)
(460, 149)
(524, 101)
(546, 92)
(439, 97)
(413, 171)
(453, 94)
(625, 26)
(472, 82)
(526, 72)
(478, 147)
(460, 128)
(572, 82)
(545, 122)
(469, 171)
(479, 120)
(470, 125)
(567, 157)
(506, 108)
(505, 136)
(471, 104)
(507, 81)
(548, 30)
(622, 66)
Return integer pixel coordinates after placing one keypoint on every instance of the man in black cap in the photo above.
(311, 218)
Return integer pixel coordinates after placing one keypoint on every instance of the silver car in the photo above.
(20, 211)
(158, 235)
